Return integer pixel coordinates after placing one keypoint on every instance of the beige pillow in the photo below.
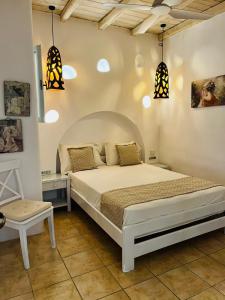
(65, 163)
(128, 154)
(111, 152)
(82, 159)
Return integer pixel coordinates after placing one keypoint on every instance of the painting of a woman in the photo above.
(209, 92)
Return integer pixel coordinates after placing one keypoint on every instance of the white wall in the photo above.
(193, 140)
(133, 61)
(16, 63)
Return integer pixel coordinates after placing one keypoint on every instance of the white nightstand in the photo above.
(61, 184)
(160, 165)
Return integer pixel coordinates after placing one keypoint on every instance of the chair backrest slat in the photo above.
(11, 168)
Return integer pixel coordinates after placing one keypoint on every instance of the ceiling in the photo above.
(93, 10)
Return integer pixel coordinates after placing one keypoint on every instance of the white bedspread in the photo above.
(91, 184)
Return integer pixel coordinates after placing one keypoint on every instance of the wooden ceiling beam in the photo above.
(112, 16)
(151, 20)
(69, 8)
(217, 9)
(147, 23)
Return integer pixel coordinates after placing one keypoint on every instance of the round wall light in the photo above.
(103, 66)
(146, 101)
(68, 72)
(51, 116)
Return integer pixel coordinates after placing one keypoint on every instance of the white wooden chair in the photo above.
(21, 214)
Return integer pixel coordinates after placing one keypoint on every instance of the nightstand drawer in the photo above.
(53, 185)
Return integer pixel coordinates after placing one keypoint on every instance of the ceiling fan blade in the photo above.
(183, 14)
(172, 2)
(128, 6)
(157, 2)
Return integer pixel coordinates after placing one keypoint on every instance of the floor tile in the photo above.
(183, 282)
(161, 262)
(10, 247)
(14, 284)
(208, 269)
(23, 297)
(88, 228)
(140, 274)
(219, 235)
(64, 221)
(48, 274)
(117, 296)
(66, 232)
(207, 244)
(219, 256)
(99, 239)
(82, 262)
(61, 291)
(210, 294)
(109, 255)
(151, 289)
(36, 240)
(11, 263)
(41, 255)
(221, 287)
(185, 253)
(94, 241)
(96, 284)
(72, 246)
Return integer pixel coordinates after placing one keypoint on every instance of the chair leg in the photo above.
(51, 229)
(24, 248)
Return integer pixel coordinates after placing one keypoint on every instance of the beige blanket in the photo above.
(114, 202)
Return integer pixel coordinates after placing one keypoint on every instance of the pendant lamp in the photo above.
(54, 80)
(162, 76)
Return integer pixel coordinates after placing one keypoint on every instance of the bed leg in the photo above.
(127, 252)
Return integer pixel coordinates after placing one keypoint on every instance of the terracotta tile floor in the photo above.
(87, 265)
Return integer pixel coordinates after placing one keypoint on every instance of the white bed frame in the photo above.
(118, 127)
(125, 238)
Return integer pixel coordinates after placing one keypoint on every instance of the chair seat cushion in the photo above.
(21, 210)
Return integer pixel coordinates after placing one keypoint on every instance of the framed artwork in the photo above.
(17, 98)
(11, 137)
(208, 92)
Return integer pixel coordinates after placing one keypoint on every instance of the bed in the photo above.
(152, 225)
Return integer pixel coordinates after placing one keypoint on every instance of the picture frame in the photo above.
(11, 136)
(208, 92)
(17, 98)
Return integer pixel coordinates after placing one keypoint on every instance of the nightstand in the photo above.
(60, 184)
(160, 165)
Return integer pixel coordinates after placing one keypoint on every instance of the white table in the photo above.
(60, 183)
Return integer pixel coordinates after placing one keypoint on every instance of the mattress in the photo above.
(91, 184)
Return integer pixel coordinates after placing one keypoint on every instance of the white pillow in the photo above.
(111, 153)
(65, 164)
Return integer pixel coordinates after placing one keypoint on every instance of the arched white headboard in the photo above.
(101, 127)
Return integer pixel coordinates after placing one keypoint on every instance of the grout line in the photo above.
(168, 288)
(106, 266)
(69, 274)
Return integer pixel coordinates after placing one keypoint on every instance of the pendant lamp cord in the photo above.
(53, 39)
(162, 44)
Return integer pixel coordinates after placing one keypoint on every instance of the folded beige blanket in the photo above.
(114, 202)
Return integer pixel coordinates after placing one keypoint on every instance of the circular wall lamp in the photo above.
(68, 72)
(51, 116)
(146, 101)
(103, 66)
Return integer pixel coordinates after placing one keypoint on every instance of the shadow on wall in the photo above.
(100, 127)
